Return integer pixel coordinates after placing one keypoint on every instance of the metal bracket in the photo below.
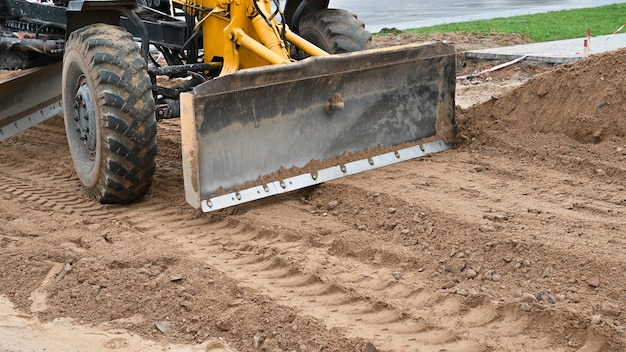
(324, 175)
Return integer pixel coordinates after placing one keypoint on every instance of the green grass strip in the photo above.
(554, 25)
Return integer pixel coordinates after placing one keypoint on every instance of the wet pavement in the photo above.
(404, 14)
(555, 52)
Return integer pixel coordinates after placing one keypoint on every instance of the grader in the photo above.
(258, 88)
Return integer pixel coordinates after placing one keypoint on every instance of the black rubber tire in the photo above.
(335, 31)
(109, 113)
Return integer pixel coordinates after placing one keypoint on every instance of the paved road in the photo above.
(403, 14)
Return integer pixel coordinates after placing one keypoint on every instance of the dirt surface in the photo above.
(513, 241)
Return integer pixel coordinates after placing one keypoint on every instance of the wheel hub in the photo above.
(84, 115)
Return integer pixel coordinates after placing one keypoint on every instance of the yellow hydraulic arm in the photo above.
(244, 33)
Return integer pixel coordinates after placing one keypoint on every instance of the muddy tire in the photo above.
(335, 31)
(109, 113)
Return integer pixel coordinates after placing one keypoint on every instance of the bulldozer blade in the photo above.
(240, 130)
(29, 98)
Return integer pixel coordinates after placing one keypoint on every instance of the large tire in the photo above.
(335, 31)
(109, 113)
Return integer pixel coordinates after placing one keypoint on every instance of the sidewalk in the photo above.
(556, 52)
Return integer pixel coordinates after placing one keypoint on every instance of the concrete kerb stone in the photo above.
(556, 52)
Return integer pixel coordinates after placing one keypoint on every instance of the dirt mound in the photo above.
(583, 101)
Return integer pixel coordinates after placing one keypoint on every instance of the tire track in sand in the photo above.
(306, 262)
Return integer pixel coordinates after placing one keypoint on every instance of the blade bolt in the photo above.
(334, 103)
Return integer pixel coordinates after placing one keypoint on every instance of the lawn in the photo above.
(542, 27)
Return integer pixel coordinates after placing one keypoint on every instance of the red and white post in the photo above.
(587, 48)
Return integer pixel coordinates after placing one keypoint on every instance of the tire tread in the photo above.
(340, 30)
(126, 106)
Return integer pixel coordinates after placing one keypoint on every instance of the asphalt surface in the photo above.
(404, 14)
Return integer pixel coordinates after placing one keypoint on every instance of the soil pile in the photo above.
(583, 101)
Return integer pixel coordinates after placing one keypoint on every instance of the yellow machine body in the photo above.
(243, 35)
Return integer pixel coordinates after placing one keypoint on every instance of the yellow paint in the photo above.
(237, 34)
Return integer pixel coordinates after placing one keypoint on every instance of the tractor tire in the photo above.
(109, 113)
(335, 31)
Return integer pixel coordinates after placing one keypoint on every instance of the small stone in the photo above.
(496, 217)
(187, 305)
(163, 326)
(461, 292)
(545, 297)
(471, 274)
(574, 298)
(596, 319)
(594, 281)
(528, 298)
(332, 205)
(495, 277)
(487, 275)
(397, 275)
(215, 346)
(176, 278)
(258, 340)
(455, 268)
(525, 307)
(369, 347)
(486, 228)
(389, 226)
(610, 309)
(600, 172)
(294, 327)
(448, 285)
(144, 271)
(235, 303)
(597, 133)
(224, 325)
(392, 210)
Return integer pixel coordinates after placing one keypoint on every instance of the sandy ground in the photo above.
(513, 241)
